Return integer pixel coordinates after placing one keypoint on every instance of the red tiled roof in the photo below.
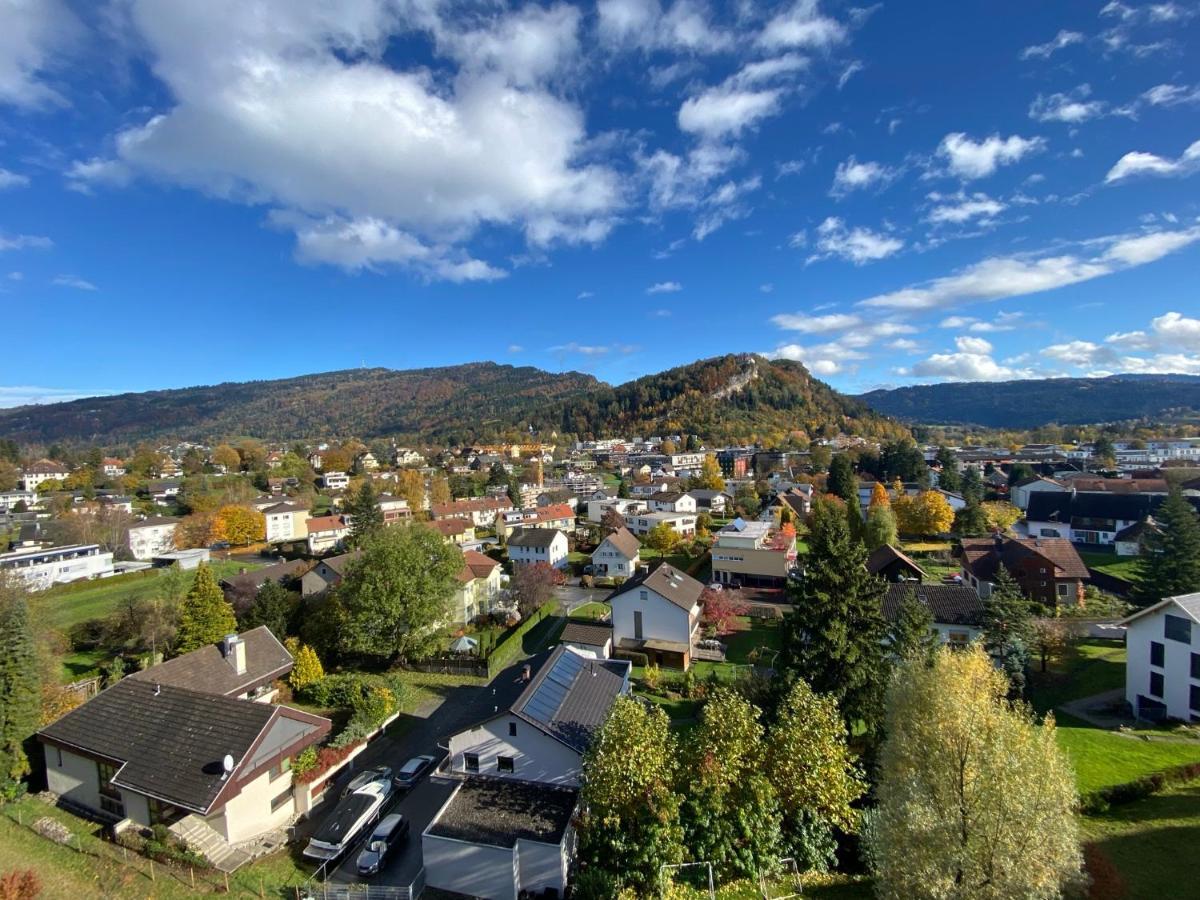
(326, 523)
(476, 565)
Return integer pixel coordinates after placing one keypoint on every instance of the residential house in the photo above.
(526, 762)
(41, 567)
(286, 522)
(534, 545)
(112, 468)
(753, 554)
(193, 744)
(1162, 666)
(455, 531)
(395, 509)
(10, 499)
(366, 462)
(956, 609)
(596, 508)
(657, 612)
(240, 589)
(890, 564)
(478, 587)
(796, 499)
(404, 456)
(326, 533)
(162, 490)
(618, 555)
(1130, 541)
(481, 511)
(1090, 518)
(709, 501)
(1022, 491)
(152, 536)
(672, 501)
(1048, 570)
(40, 471)
(326, 574)
(683, 524)
(557, 515)
(335, 481)
(588, 638)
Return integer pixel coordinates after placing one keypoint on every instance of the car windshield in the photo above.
(411, 766)
(378, 846)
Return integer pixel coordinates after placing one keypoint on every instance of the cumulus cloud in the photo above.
(32, 42)
(1071, 108)
(970, 159)
(1170, 344)
(971, 361)
(997, 278)
(665, 287)
(1140, 163)
(12, 180)
(852, 175)
(1005, 321)
(291, 106)
(857, 245)
(725, 110)
(684, 26)
(960, 208)
(1061, 40)
(802, 26)
(809, 324)
(853, 343)
(24, 242)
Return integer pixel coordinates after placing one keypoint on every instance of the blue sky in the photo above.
(194, 192)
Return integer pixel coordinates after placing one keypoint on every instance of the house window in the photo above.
(512, 729)
(111, 800)
(957, 638)
(281, 799)
(1194, 699)
(1195, 674)
(471, 762)
(1156, 654)
(161, 813)
(277, 770)
(1156, 684)
(504, 764)
(1177, 628)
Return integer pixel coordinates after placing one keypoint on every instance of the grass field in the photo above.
(1096, 667)
(1110, 564)
(69, 605)
(591, 611)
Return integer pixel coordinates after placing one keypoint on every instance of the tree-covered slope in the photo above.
(1028, 404)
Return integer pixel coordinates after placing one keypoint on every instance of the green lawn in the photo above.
(591, 611)
(1111, 564)
(69, 605)
(1149, 842)
(1103, 758)
(1096, 667)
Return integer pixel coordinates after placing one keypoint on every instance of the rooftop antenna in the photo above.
(227, 765)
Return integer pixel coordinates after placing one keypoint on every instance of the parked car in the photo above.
(219, 545)
(410, 773)
(365, 777)
(391, 832)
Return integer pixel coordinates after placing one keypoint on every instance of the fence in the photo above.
(328, 891)
(509, 649)
(471, 666)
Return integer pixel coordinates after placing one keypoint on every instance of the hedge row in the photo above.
(510, 648)
(1100, 801)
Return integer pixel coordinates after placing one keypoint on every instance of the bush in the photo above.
(509, 648)
(304, 761)
(1100, 801)
(634, 656)
(20, 884)
(652, 678)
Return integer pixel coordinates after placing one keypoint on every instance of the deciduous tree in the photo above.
(662, 537)
(719, 610)
(205, 616)
(880, 527)
(976, 800)
(1001, 515)
(533, 584)
(710, 477)
(306, 669)
(611, 520)
(239, 525)
(410, 484)
(439, 490)
(927, 513)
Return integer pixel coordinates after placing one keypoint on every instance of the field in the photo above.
(1124, 567)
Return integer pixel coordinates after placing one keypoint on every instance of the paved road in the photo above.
(458, 708)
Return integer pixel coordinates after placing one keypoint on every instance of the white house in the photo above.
(534, 545)
(326, 533)
(42, 470)
(596, 508)
(658, 613)
(152, 536)
(1020, 492)
(335, 481)
(618, 555)
(683, 524)
(112, 468)
(1162, 666)
(672, 501)
(40, 568)
(956, 609)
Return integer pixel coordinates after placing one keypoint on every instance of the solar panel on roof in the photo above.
(550, 694)
(739, 524)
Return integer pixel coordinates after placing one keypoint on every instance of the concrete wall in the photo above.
(249, 813)
(536, 756)
(77, 778)
(1176, 668)
(543, 865)
(661, 618)
(472, 869)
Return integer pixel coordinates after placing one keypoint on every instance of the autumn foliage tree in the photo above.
(205, 616)
(719, 610)
(927, 513)
(533, 584)
(710, 477)
(307, 668)
(239, 525)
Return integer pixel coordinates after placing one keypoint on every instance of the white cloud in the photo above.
(1072, 108)
(1139, 163)
(665, 287)
(725, 110)
(685, 26)
(971, 159)
(997, 278)
(33, 40)
(802, 25)
(1171, 344)
(24, 242)
(73, 281)
(957, 209)
(905, 345)
(971, 361)
(584, 295)
(12, 180)
(857, 245)
(1171, 95)
(852, 175)
(770, 69)
(849, 72)
(85, 175)
(15, 276)
(292, 106)
(592, 349)
(1061, 40)
(1005, 321)
(515, 348)
(27, 394)
(807, 324)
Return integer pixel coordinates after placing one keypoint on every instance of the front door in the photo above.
(637, 624)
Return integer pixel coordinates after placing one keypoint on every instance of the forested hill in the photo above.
(735, 398)
(1031, 403)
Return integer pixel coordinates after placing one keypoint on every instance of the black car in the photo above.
(391, 832)
(410, 773)
(365, 777)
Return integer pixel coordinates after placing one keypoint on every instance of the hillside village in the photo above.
(245, 582)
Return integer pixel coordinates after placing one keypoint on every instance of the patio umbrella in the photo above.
(464, 645)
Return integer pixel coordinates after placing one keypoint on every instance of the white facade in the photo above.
(286, 524)
(682, 504)
(32, 478)
(151, 538)
(475, 597)
(533, 754)
(608, 560)
(1020, 494)
(625, 506)
(683, 524)
(1162, 668)
(40, 569)
(335, 481)
(641, 614)
(554, 553)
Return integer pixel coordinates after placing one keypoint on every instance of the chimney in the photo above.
(234, 651)
(526, 672)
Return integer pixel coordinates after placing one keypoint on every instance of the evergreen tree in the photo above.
(972, 485)
(20, 695)
(366, 518)
(205, 616)
(841, 481)
(880, 527)
(971, 520)
(1170, 560)
(912, 634)
(832, 636)
(950, 478)
(307, 668)
(1007, 628)
(272, 606)
(622, 490)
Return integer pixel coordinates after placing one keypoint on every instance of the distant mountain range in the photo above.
(1029, 404)
(736, 397)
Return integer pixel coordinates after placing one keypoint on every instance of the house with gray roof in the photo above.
(618, 555)
(538, 545)
(657, 613)
(1162, 664)
(956, 609)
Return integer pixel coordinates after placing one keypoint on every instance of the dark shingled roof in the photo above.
(246, 585)
(949, 604)
(594, 634)
(678, 587)
(625, 541)
(171, 744)
(1138, 531)
(571, 695)
(207, 669)
(533, 537)
(982, 555)
(1056, 506)
(500, 812)
(882, 557)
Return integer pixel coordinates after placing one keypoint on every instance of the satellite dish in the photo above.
(227, 762)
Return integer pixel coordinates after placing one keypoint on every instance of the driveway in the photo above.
(572, 596)
(425, 733)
